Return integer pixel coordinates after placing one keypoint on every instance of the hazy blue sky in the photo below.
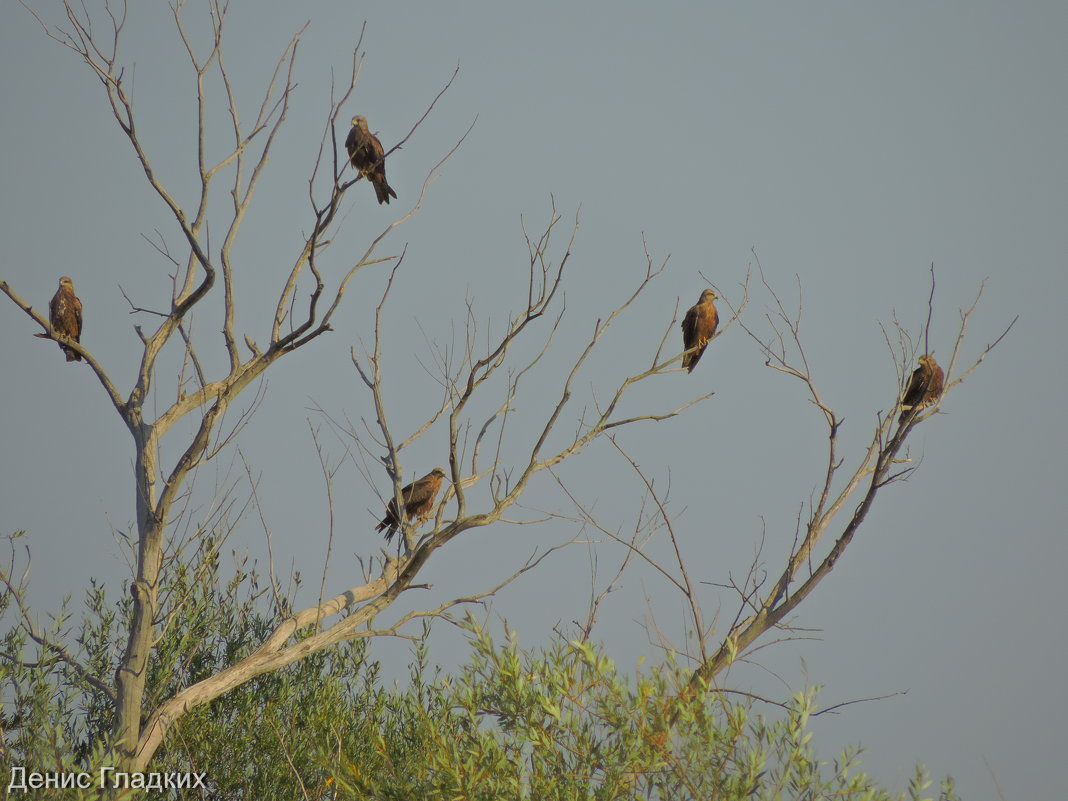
(850, 144)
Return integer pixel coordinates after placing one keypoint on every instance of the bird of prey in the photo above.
(367, 156)
(65, 315)
(698, 326)
(924, 387)
(418, 500)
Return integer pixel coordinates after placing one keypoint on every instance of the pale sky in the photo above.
(851, 145)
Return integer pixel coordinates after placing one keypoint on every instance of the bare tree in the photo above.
(764, 608)
(309, 294)
(839, 507)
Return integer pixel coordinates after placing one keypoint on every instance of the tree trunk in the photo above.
(132, 671)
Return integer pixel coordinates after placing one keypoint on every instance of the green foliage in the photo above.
(52, 720)
(557, 723)
(259, 740)
(563, 723)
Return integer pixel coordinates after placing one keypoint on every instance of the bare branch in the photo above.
(873, 471)
(77, 347)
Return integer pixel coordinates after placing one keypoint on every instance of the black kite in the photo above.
(65, 315)
(418, 500)
(698, 326)
(367, 156)
(924, 387)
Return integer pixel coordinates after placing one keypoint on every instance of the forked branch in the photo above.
(784, 352)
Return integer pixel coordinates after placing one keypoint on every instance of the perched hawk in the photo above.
(65, 315)
(367, 156)
(924, 387)
(698, 326)
(418, 500)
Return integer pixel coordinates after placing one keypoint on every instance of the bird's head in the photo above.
(708, 294)
(360, 121)
(926, 360)
(438, 471)
(65, 281)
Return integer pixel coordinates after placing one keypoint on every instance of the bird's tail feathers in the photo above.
(383, 192)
